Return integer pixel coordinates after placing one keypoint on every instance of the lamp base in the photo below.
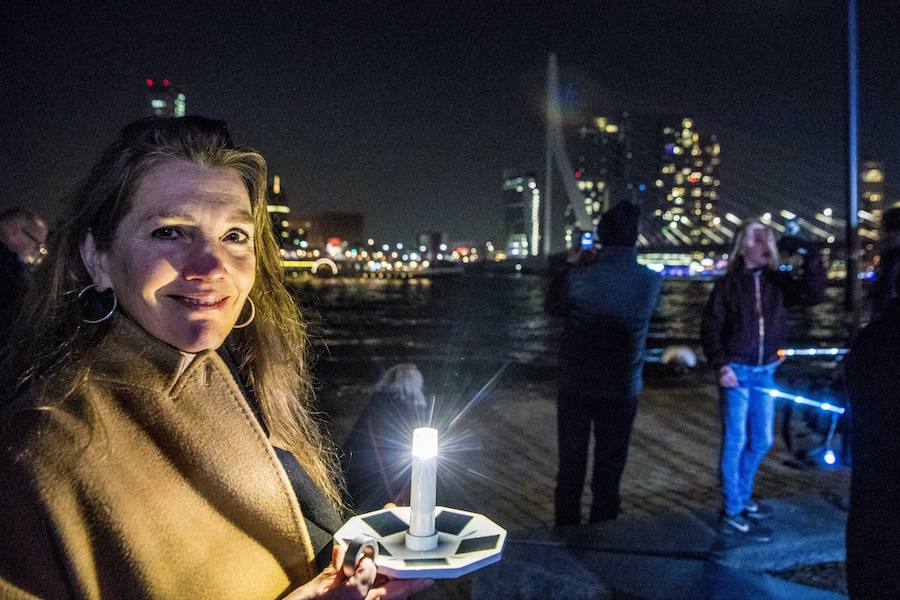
(466, 542)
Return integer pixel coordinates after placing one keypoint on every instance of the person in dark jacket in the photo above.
(744, 324)
(885, 290)
(873, 385)
(376, 455)
(607, 300)
(22, 237)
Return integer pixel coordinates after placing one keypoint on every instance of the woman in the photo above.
(744, 324)
(134, 464)
(376, 456)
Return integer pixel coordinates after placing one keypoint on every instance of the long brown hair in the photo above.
(49, 334)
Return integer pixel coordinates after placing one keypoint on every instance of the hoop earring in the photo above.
(252, 314)
(107, 315)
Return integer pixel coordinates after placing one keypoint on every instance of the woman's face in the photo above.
(183, 262)
(756, 251)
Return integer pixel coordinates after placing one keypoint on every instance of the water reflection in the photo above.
(493, 319)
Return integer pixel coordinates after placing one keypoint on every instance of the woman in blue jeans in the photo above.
(744, 325)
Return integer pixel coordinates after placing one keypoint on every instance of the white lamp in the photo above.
(422, 535)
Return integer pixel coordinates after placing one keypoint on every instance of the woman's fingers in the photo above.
(363, 578)
(398, 589)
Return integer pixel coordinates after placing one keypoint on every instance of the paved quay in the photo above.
(663, 545)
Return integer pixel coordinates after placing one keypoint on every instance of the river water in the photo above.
(488, 321)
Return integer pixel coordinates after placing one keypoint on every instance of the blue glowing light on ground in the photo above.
(826, 406)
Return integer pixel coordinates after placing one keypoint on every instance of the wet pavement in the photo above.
(664, 544)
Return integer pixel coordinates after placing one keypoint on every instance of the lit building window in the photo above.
(873, 176)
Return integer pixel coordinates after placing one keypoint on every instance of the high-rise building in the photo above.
(671, 170)
(689, 174)
(871, 203)
(600, 168)
(279, 212)
(522, 213)
(164, 99)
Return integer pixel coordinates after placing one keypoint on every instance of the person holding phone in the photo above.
(607, 299)
(744, 324)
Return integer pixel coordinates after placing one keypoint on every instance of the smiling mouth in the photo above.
(200, 303)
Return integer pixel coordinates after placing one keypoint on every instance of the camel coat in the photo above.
(154, 480)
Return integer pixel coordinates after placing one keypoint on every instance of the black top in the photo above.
(730, 329)
(322, 520)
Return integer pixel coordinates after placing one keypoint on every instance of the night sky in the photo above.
(409, 112)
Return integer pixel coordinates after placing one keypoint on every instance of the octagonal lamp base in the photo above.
(466, 542)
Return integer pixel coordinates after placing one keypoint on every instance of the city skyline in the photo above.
(410, 116)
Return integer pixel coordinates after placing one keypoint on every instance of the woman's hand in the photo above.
(727, 377)
(364, 584)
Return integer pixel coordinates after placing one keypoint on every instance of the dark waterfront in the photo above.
(462, 331)
(360, 326)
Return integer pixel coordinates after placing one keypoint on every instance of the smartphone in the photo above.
(587, 240)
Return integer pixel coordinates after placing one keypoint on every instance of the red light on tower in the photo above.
(149, 83)
(166, 82)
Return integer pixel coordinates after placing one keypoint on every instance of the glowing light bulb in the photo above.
(422, 535)
(829, 457)
(425, 442)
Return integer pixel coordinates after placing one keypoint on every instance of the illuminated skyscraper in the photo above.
(690, 177)
(672, 171)
(662, 164)
(600, 169)
(279, 212)
(871, 203)
(522, 213)
(164, 99)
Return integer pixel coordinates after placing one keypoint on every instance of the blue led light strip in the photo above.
(800, 400)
